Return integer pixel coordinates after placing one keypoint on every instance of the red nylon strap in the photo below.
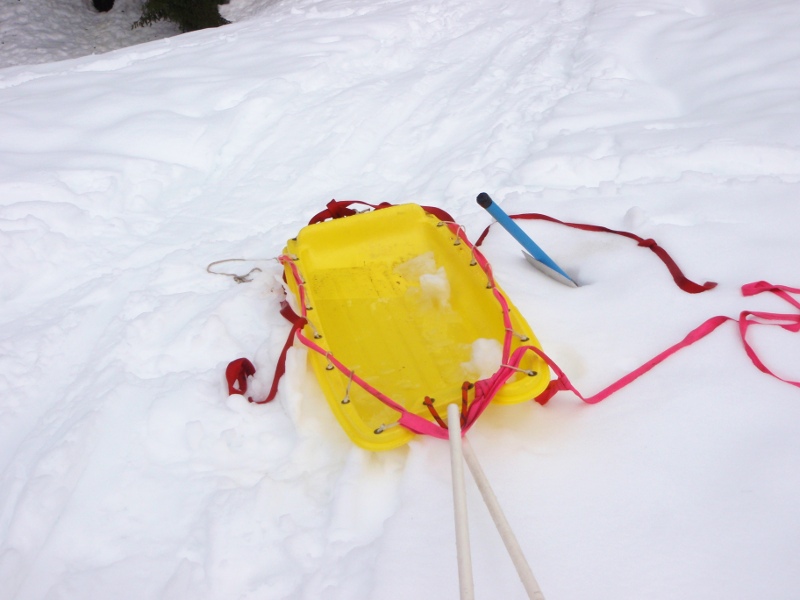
(337, 209)
(789, 322)
(782, 291)
(240, 369)
(237, 373)
(680, 279)
(562, 382)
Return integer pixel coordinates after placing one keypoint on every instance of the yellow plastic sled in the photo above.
(403, 318)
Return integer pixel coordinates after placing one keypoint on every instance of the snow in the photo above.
(127, 167)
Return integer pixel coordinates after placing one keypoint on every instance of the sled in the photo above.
(402, 316)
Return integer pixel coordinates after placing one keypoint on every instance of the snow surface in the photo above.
(126, 471)
(39, 31)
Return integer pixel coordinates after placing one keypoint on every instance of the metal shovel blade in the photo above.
(551, 273)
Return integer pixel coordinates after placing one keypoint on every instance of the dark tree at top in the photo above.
(190, 15)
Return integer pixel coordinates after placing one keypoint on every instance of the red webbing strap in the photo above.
(237, 373)
(680, 279)
(240, 369)
(789, 322)
(337, 209)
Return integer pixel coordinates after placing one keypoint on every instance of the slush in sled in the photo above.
(402, 317)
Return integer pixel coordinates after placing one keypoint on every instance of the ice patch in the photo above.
(434, 287)
(416, 267)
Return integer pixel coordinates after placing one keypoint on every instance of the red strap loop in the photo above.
(337, 209)
(237, 373)
(240, 369)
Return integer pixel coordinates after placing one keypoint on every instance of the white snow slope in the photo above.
(125, 470)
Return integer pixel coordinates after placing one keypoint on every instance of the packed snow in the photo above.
(127, 472)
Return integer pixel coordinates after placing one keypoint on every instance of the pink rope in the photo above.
(789, 322)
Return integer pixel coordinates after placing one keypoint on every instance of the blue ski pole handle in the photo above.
(509, 225)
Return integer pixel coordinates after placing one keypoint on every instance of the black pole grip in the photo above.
(484, 200)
